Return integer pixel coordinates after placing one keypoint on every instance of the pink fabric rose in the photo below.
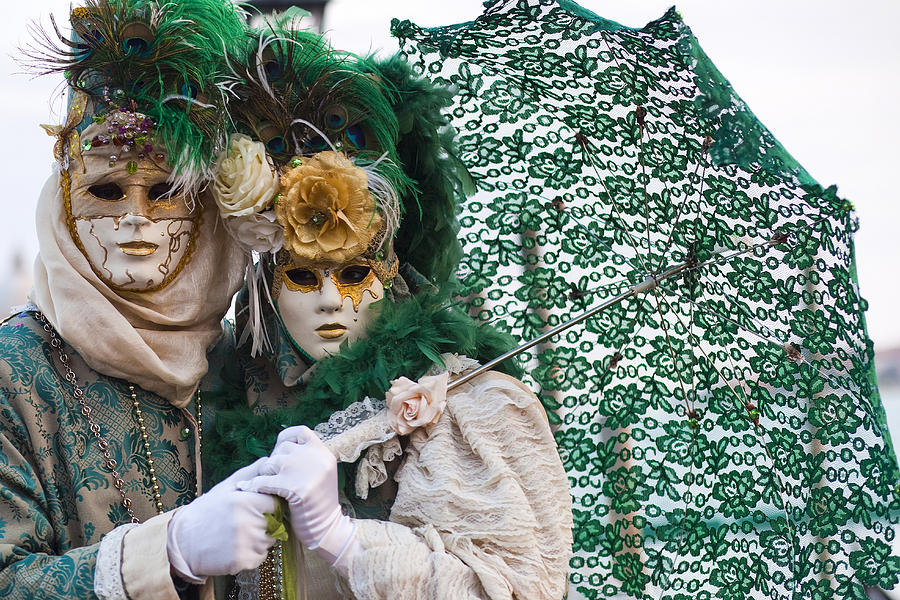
(413, 404)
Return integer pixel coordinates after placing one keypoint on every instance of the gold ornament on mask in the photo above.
(66, 135)
(383, 265)
(351, 280)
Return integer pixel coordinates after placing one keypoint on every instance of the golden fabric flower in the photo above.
(326, 209)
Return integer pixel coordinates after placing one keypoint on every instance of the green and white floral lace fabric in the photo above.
(722, 432)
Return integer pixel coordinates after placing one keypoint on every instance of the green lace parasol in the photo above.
(720, 424)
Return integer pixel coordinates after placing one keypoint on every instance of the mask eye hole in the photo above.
(353, 274)
(107, 191)
(161, 192)
(303, 277)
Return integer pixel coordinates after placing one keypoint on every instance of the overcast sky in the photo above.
(822, 75)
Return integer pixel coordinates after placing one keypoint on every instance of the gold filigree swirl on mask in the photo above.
(352, 280)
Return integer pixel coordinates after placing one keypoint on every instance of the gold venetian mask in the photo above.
(351, 280)
(135, 233)
(337, 257)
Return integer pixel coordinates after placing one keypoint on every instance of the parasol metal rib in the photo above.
(645, 286)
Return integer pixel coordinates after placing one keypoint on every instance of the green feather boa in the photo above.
(406, 340)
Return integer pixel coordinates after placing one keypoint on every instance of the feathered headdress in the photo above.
(298, 96)
(298, 99)
(161, 59)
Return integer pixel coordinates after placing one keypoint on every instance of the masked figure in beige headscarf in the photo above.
(101, 408)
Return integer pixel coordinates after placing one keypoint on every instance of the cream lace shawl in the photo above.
(483, 507)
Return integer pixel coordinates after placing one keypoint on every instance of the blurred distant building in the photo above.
(316, 9)
(15, 283)
(887, 368)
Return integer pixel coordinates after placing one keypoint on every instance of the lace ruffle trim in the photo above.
(108, 584)
(363, 427)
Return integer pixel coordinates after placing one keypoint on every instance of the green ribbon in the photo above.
(278, 528)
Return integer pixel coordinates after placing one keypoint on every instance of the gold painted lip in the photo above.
(331, 331)
(138, 248)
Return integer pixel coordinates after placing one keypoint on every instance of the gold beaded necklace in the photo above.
(139, 414)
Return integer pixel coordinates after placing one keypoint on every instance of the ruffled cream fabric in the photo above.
(156, 340)
(482, 510)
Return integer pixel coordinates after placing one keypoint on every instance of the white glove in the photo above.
(222, 532)
(304, 472)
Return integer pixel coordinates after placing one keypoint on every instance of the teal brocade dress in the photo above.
(57, 498)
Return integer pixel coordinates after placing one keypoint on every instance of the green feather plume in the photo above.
(163, 59)
(427, 238)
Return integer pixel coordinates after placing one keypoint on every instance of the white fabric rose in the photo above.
(413, 404)
(245, 182)
(257, 232)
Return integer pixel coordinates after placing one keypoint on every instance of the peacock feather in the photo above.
(163, 59)
(299, 96)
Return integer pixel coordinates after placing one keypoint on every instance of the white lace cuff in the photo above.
(372, 468)
(108, 584)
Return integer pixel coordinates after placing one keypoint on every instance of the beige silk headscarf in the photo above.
(157, 340)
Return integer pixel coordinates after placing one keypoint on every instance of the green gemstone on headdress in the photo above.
(318, 218)
(119, 94)
(86, 145)
(296, 162)
(388, 284)
(131, 167)
(277, 197)
(379, 254)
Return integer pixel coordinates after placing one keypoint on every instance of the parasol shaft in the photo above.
(645, 286)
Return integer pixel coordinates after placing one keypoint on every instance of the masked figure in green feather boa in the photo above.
(342, 180)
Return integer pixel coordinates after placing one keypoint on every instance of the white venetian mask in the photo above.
(321, 308)
(135, 235)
